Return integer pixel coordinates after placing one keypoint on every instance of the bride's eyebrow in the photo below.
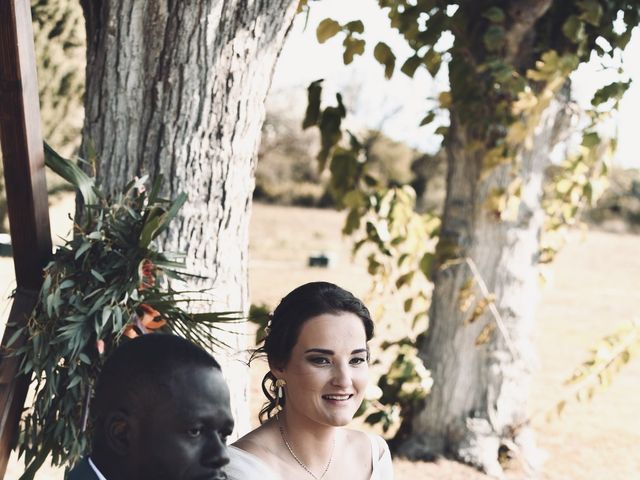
(320, 350)
(331, 352)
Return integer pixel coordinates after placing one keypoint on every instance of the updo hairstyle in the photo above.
(302, 304)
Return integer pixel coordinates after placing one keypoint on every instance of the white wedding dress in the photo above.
(246, 466)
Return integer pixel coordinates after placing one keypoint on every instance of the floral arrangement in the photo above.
(107, 284)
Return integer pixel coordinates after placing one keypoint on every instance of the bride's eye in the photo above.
(319, 360)
(358, 360)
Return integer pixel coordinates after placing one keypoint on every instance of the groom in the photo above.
(161, 412)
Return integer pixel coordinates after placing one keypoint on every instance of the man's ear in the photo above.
(117, 432)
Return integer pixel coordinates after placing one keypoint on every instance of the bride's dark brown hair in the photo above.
(302, 304)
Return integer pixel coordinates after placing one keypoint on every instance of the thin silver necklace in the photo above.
(284, 439)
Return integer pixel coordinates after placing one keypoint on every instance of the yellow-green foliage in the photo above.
(507, 61)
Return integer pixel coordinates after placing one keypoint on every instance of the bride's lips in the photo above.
(338, 398)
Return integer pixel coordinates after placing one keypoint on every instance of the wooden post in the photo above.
(23, 156)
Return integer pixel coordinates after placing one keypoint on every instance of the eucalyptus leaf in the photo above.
(71, 173)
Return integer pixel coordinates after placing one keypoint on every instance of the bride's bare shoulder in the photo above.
(258, 442)
(359, 441)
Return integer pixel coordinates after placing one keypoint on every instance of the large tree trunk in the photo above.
(478, 403)
(178, 88)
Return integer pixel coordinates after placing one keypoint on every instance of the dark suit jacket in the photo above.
(82, 471)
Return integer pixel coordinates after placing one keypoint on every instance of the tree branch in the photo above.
(523, 14)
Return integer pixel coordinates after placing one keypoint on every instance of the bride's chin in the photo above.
(341, 421)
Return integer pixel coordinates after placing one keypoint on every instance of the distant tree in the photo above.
(508, 66)
(286, 173)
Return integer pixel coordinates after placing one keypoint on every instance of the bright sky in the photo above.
(397, 106)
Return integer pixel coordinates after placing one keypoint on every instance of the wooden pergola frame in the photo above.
(26, 191)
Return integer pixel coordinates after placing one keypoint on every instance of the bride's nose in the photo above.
(341, 375)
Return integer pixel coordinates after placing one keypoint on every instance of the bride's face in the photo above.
(328, 370)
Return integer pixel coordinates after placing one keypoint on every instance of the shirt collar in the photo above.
(95, 469)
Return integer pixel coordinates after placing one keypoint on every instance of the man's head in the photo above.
(161, 411)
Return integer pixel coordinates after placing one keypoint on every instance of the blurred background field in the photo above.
(592, 290)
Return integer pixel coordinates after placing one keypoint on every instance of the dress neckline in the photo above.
(375, 455)
(253, 457)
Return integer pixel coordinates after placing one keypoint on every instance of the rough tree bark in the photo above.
(178, 88)
(478, 404)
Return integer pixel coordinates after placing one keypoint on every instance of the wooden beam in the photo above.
(26, 190)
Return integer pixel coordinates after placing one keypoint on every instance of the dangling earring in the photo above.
(280, 383)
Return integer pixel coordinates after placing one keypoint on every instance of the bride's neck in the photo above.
(311, 441)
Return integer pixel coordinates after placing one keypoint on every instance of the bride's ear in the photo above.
(276, 369)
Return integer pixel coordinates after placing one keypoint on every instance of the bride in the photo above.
(318, 357)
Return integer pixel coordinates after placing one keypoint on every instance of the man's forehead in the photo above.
(200, 386)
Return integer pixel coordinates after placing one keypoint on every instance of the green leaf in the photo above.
(433, 61)
(591, 11)
(375, 417)
(494, 15)
(14, 337)
(171, 213)
(613, 91)
(155, 189)
(159, 220)
(74, 381)
(66, 284)
(312, 115)
(345, 171)
(97, 275)
(327, 29)
(428, 118)
(408, 303)
(426, 264)
(330, 132)
(73, 174)
(106, 314)
(404, 279)
(352, 223)
(355, 26)
(442, 130)
(217, 317)
(352, 47)
(622, 40)
(83, 248)
(383, 54)
(353, 199)
(573, 29)
(410, 66)
(494, 38)
(590, 140)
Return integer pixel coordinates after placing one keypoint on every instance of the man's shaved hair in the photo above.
(140, 369)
